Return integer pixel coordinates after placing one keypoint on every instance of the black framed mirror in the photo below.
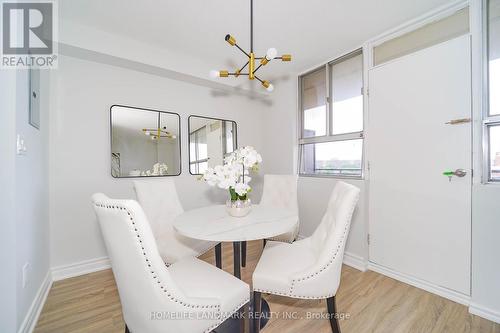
(210, 140)
(144, 142)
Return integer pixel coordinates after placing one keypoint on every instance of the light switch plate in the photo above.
(26, 271)
(21, 145)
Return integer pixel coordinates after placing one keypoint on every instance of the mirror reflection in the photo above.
(210, 139)
(144, 142)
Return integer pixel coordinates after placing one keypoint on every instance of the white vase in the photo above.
(238, 208)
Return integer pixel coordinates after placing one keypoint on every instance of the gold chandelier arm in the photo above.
(239, 48)
(258, 67)
(237, 74)
(245, 65)
(285, 57)
(232, 41)
(259, 79)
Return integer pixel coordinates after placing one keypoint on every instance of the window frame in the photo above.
(489, 120)
(196, 163)
(329, 137)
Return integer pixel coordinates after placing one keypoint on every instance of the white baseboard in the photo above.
(80, 268)
(355, 261)
(427, 286)
(31, 318)
(481, 311)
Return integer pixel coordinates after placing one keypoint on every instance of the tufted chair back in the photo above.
(145, 286)
(280, 191)
(327, 243)
(158, 198)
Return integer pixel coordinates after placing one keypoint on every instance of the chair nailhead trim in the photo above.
(339, 246)
(169, 295)
(291, 295)
(200, 253)
(222, 319)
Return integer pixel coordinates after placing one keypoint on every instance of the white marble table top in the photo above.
(213, 223)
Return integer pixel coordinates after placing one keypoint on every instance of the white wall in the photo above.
(486, 250)
(80, 147)
(31, 195)
(8, 281)
(24, 200)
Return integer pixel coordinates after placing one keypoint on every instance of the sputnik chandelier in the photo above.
(158, 132)
(270, 55)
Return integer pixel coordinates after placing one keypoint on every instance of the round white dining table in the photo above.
(213, 223)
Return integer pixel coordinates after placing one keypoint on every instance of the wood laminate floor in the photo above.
(369, 301)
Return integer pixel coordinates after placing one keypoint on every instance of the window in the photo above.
(198, 149)
(314, 104)
(430, 34)
(331, 113)
(491, 124)
(494, 136)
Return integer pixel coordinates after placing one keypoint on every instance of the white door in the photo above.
(420, 221)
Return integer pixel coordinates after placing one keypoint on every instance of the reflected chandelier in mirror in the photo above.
(144, 142)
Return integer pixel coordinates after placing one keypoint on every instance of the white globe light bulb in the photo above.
(270, 88)
(214, 73)
(271, 53)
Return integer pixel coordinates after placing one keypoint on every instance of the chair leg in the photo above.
(265, 242)
(243, 314)
(126, 329)
(257, 309)
(332, 313)
(218, 255)
(237, 259)
(243, 254)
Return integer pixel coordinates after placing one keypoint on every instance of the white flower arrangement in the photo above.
(159, 169)
(234, 174)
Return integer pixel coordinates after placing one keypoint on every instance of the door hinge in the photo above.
(368, 239)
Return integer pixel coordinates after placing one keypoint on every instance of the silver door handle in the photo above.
(458, 121)
(457, 173)
(460, 173)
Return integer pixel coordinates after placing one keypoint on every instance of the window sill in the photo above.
(309, 175)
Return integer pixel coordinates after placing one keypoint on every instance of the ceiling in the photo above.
(312, 31)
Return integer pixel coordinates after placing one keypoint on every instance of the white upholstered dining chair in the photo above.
(309, 268)
(189, 296)
(281, 191)
(158, 198)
